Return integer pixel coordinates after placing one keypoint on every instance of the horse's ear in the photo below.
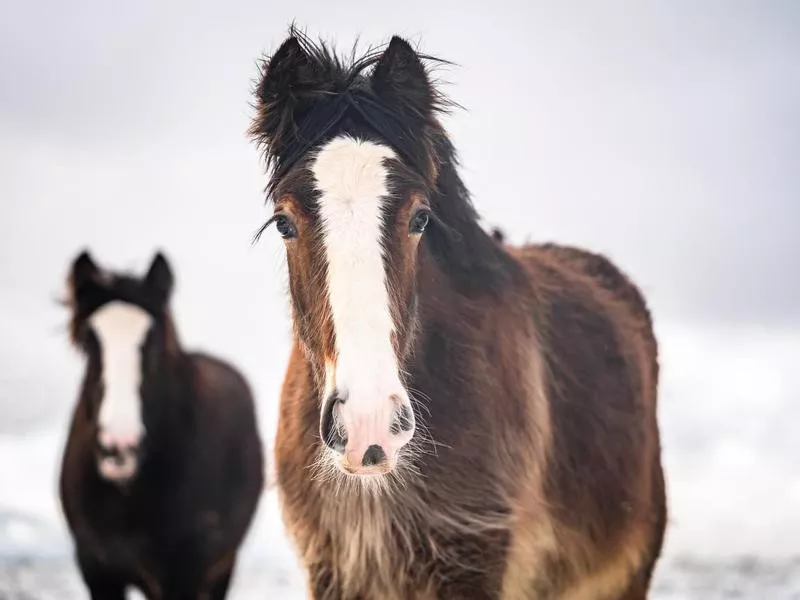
(82, 273)
(401, 80)
(159, 279)
(291, 82)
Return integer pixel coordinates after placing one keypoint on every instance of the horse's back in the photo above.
(604, 479)
(610, 277)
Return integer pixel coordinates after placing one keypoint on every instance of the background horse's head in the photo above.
(121, 324)
(354, 154)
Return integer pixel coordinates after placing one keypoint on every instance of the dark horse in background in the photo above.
(163, 467)
(460, 418)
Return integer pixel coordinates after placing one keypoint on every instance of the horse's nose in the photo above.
(118, 455)
(367, 437)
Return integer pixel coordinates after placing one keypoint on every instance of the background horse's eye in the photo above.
(419, 221)
(285, 227)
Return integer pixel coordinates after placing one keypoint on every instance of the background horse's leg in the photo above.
(221, 581)
(102, 584)
(219, 589)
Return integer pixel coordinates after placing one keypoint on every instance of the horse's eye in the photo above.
(419, 221)
(285, 227)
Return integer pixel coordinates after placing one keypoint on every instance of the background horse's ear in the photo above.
(159, 279)
(292, 80)
(400, 80)
(83, 272)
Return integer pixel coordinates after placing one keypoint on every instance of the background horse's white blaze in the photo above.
(121, 329)
(351, 176)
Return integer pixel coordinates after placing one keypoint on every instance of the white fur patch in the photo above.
(351, 176)
(121, 329)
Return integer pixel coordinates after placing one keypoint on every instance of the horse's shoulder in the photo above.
(216, 375)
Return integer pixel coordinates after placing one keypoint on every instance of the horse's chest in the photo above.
(357, 541)
(122, 529)
(400, 547)
(361, 535)
(373, 548)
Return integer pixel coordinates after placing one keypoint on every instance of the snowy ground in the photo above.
(56, 579)
(729, 409)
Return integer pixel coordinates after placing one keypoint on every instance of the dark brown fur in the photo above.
(535, 470)
(175, 530)
(593, 493)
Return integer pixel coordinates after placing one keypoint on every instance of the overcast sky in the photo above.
(666, 134)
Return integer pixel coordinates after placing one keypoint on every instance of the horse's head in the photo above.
(353, 151)
(121, 324)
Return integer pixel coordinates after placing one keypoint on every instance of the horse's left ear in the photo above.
(400, 79)
(84, 279)
(83, 271)
(159, 279)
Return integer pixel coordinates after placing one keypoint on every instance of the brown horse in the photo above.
(460, 419)
(163, 467)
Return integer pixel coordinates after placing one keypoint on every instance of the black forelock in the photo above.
(346, 96)
(116, 287)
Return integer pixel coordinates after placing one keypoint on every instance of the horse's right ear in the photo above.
(159, 279)
(292, 80)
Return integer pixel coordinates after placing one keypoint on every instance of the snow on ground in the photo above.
(56, 579)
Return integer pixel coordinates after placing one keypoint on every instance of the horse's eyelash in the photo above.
(263, 228)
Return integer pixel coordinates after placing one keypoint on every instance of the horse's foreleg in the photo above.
(102, 584)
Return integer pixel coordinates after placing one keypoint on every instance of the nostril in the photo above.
(132, 449)
(106, 451)
(117, 449)
(373, 456)
(104, 440)
(403, 421)
(329, 429)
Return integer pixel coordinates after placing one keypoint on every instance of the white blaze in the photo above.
(351, 176)
(121, 329)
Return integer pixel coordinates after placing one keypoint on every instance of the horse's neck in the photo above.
(451, 326)
(172, 403)
(466, 310)
(473, 263)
